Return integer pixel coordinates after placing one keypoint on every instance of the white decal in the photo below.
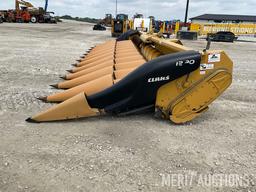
(202, 72)
(205, 66)
(157, 79)
(214, 57)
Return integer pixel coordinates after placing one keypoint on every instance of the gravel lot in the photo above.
(132, 153)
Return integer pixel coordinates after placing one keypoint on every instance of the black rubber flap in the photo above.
(126, 35)
(139, 88)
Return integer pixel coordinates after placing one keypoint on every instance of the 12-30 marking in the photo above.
(188, 61)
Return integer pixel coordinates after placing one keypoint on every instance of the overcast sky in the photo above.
(167, 10)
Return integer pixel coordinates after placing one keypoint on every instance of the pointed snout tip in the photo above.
(30, 120)
(63, 77)
(42, 99)
(55, 86)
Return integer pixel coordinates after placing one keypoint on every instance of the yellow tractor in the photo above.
(120, 25)
(141, 72)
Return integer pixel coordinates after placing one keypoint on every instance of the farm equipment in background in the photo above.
(102, 24)
(99, 27)
(167, 28)
(223, 36)
(138, 15)
(142, 24)
(107, 20)
(138, 22)
(140, 72)
(22, 14)
(153, 21)
(7, 15)
(120, 25)
(25, 12)
(183, 31)
(1, 17)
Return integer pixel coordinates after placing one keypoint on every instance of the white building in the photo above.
(219, 18)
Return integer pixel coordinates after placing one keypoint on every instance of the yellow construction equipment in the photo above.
(137, 73)
(120, 25)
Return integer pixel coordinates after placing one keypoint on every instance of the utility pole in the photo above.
(46, 6)
(186, 14)
(116, 7)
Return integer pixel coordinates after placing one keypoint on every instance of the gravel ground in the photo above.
(133, 153)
